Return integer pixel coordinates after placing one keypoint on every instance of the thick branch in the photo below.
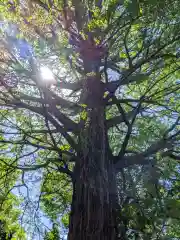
(57, 101)
(70, 86)
(128, 134)
(119, 119)
(69, 125)
(36, 167)
(59, 128)
(141, 157)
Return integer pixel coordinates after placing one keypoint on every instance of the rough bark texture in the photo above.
(92, 217)
(94, 205)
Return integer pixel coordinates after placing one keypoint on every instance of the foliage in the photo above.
(56, 190)
(9, 206)
(53, 234)
(44, 124)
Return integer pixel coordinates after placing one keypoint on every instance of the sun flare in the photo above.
(46, 74)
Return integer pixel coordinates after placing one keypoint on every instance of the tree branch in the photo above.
(38, 166)
(60, 129)
(57, 101)
(128, 134)
(140, 158)
(69, 125)
(127, 75)
(26, 142)
(119, 119)
(70, 86)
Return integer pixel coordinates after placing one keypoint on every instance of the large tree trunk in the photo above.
(94, 203)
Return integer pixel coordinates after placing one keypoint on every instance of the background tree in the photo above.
(10, 227)
(108, 110)
(53, 234)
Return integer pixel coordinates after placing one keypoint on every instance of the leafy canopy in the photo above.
(41, 124)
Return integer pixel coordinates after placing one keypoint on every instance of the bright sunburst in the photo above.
(46, 74)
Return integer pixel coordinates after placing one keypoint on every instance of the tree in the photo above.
(115, 67)
(148, 197)
(53, 234)
(9, 205)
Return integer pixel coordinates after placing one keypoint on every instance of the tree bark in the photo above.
(94, 203)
